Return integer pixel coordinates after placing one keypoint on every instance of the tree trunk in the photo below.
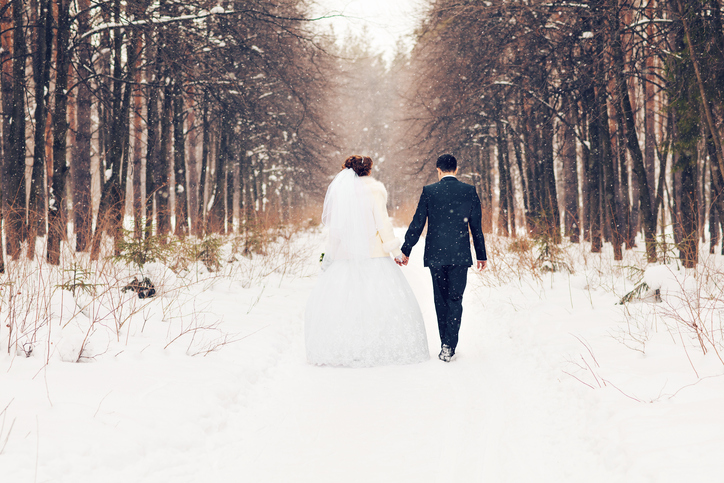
(200, 227)
(14, 171)
(550, 194)
(570, 175)
(520, 163)
(110, 211)
(663, 158)
(41, 75)
(232, 180)
(105, 104)
(629, 228)
(179, 156)
(191, 163)
(717, 197)
(585, 163)
(138, 195)
(6, 92)
(511, 189)
(593, 178)
(523, 163)
(649, 130)
(701, 217)
(504, 176)
(610, 185)
(216, 214)
(81, 163)
(639, 169)
(708, 117)
(688, 246)
(486, 188)
(530, 140)
(248, 193)
(163, 181)
(713, 215)
(649, 105)
(152, 181)
(56, 220)
(151, 155)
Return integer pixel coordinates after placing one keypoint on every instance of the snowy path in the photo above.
(502, 411)
(483, 417)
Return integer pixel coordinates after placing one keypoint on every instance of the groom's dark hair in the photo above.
(447, 163)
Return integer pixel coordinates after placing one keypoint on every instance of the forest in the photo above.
(164, 170)
(176, 115)
(593, 120)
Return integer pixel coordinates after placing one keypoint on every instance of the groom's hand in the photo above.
(402, 259)
(482, 264)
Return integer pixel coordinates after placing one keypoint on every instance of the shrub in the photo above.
(147, 249)
(520, 246)
(254, 240)
(550, 254)
(78, 280)
(206, 251)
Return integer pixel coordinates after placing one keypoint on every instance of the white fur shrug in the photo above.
(384, 241)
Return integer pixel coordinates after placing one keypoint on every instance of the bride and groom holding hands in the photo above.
(362, 311)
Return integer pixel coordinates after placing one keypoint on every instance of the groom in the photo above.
(449, 207)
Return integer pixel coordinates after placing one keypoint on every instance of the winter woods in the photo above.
(594, 119)
(187, 117)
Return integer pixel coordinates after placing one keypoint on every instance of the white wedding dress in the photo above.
(362, 311)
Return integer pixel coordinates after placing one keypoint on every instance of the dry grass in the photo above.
(86, 297)
(83, 298)
(690, 309)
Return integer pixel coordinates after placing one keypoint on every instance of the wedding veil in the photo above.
(348, 215)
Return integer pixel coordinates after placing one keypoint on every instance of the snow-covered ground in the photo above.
(552, 382)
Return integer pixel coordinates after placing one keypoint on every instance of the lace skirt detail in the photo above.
(364, 313)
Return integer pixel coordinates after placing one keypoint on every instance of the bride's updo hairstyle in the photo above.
(362, 165)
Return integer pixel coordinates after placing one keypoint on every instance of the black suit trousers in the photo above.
(448, 284)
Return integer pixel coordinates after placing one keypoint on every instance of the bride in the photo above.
(362, 311)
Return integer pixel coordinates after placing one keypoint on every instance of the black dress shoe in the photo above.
(447, 353)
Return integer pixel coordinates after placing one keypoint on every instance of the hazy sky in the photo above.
(386, 21)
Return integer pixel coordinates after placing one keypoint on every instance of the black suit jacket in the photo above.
(449, 207)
